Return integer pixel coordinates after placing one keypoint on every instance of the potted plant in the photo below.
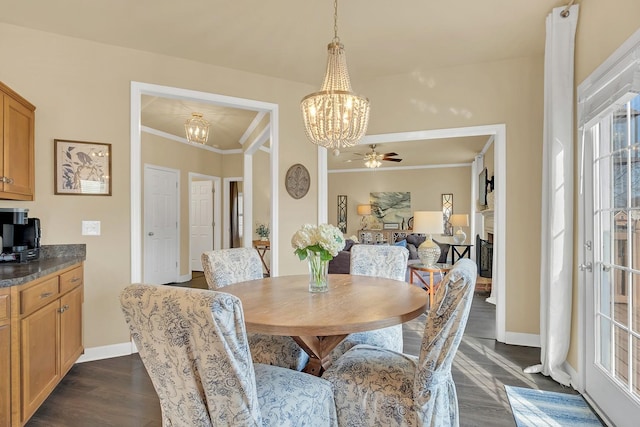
(263, 231)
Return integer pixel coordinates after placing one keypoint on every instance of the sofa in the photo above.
(341, 263)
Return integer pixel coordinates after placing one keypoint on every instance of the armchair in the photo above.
(194, 347)
(375, 386)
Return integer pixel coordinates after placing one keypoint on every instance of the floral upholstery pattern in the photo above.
(389, 262)
(227, 266)
(194, 347)
(376, 386)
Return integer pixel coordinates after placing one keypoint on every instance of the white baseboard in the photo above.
(527, 340)
(107, 352)
(185, 278)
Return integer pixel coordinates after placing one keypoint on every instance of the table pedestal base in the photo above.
(318, 349)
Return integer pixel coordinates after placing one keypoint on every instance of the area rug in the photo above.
(547, 408)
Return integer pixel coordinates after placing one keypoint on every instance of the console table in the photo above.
(460, 251)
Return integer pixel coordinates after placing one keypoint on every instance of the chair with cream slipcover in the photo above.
(227, 266)
(194, 347)
(375, 386)
(389, 262)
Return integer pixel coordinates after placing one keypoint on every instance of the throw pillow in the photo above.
(413, 251)
(416, 239)
(402, 243)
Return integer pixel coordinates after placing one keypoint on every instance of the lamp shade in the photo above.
(364, 210)
(459, 220)
(428, 222)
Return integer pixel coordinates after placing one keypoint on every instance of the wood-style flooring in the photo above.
(118, 392)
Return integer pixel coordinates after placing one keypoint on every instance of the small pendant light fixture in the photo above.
(197, 129)
(335, 117)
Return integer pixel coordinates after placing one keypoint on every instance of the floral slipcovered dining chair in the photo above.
(227, 266)
(389, 262)
(194, 347)
(375, 386)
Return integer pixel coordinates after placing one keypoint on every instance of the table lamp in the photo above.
(364, 211)
(428, 222)
(459, 220)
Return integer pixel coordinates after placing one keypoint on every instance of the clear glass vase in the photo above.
(318, 271)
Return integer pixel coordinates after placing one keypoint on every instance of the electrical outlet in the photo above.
(90, 228)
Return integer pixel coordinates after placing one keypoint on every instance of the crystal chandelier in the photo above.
(197, 129)
(335, 117)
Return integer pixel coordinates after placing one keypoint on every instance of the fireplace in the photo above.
(484, 256)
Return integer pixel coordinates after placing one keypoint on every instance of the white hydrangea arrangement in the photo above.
(324, 239)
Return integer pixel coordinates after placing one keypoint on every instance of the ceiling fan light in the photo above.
(197, 129)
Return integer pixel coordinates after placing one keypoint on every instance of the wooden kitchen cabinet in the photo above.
(46, 321)
(5, 357)
(17, 123)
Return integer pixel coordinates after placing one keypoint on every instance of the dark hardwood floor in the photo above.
(118, 391)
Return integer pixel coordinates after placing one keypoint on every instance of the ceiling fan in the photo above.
(373, 159)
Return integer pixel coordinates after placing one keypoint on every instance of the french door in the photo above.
(611, 266)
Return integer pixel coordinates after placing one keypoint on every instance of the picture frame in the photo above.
(391, 226)
(82, 168)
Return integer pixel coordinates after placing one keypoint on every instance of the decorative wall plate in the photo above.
(297, 181)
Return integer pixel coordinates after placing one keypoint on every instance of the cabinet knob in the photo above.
(6, 180)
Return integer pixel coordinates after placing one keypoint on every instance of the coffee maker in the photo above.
(19, 235)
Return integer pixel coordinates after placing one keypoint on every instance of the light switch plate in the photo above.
(90, 228)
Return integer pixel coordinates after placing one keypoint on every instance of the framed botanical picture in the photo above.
(82, 168)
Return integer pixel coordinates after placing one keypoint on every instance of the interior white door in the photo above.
(161, 203)
(612, 263)
(201, 221)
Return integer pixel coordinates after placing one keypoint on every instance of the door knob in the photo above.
(587, 266)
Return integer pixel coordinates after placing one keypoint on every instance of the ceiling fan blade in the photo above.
(390, 154)
(391, 160)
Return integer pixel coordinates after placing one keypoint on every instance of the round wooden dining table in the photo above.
(318, 322)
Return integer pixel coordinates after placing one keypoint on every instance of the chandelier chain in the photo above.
(335, 21)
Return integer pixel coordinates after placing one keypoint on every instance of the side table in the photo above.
(262, 246)
(415, 270)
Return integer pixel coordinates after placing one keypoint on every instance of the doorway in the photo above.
(161, 217)
(204, 217)
(268, 134)
(498, 132)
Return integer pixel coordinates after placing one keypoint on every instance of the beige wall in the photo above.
(508, 92)
(425, 185)
(82, 89)
(82, 92)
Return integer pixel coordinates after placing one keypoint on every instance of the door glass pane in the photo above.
(620, 128)
(636, 366)
(605, 292)
(634, 167)
(619, 178)
(604, 333)
(621, 354)
(620, 291)
(606, 221)
(634, 226)
(635, 318)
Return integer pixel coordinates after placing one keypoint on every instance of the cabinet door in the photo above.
(5, 375)
(17, 167)
(40, 363)
(70, 329)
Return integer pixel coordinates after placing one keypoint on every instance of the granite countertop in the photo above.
(52, 258)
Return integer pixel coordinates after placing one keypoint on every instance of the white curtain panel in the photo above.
(557, 196)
